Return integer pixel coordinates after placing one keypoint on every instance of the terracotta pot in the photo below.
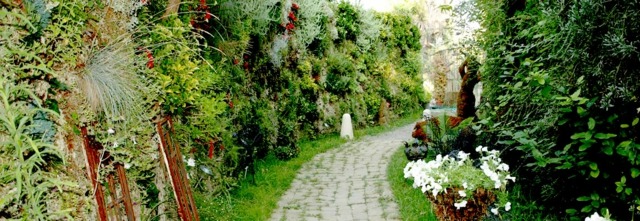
(476, 208)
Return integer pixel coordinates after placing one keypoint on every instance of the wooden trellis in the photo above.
(177, 174)
(94, 160)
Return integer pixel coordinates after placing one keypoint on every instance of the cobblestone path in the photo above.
(346, 183)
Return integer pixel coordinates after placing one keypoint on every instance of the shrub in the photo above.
(347, 21)
(560, 103)
(341, 74)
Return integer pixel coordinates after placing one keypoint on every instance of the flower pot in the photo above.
(475, 209)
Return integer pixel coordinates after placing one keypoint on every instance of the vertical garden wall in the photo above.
(240, 80)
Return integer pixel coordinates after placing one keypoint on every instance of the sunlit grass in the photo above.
(412, 202)
(273, 178)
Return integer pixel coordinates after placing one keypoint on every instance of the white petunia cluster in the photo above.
(595, 217)
(424, 176)
(445, 172)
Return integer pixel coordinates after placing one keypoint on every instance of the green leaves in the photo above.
(624, 144)
(635, 172)
(594, 128)
(30, 176)
(603, 136)
(608, 150)
(584, 198)
(621, 184)
(576, 95)
(592, 123)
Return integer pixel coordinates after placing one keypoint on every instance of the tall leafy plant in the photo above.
(28, 180)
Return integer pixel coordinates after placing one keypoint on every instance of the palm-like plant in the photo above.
(443, 137)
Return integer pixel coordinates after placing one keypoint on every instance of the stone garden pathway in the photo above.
(346, 183)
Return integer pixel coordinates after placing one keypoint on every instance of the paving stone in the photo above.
(345, 183)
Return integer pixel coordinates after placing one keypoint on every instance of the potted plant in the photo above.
(460, 190)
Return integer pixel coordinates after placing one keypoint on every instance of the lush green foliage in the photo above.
(29, 161)
(401, 32)
(561, 100)
(347, 21)
(264, 72)
(32, 182)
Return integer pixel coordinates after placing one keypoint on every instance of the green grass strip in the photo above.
(412, 203)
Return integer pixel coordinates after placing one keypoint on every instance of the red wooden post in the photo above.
(93, 161)
(113, 206)
(177, 173)
(126, 193)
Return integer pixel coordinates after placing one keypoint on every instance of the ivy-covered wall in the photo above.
(561, 100)
(241, 79)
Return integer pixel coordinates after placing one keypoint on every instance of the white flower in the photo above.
(494, 211)
(436, 189)
(479, 148)
(462, 193)
(503, 167)
(115, 144)
(507, 206)
(485, 149)
(462, 156)
(111, 131)
(595, 217)
(460, 204)
(191, 162)
(465, 185)
(127, 165)
(509, 177)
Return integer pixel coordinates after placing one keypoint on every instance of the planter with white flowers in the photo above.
(459, 190)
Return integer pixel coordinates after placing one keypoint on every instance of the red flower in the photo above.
(150, 59)
(211, 149)
(235, 61)
(207, 15)
(290, 26)
(144, 2)
(221, 147)
(231, 104)
(295, 6)
(292, 16)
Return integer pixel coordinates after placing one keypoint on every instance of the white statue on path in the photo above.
(346, 130)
